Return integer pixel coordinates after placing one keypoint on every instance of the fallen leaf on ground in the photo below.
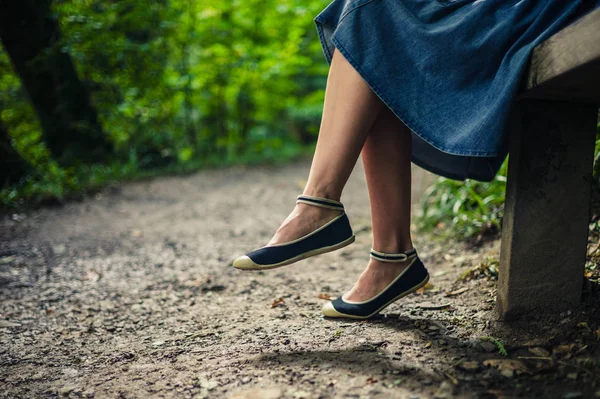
(371, 380)
(507, 367)
(428, 345)
(540, 341)
(457, 292)
(541, 352)
(426, 287)
(277, 302)
(563, 349)
(336, 335)
(583, 324)
(468, 365)
(327, 297)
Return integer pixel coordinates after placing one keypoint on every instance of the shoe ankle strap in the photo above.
(399, 257)
(320, 202)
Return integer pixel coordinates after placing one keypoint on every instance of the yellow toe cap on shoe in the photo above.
(329, 311)
(245, 263)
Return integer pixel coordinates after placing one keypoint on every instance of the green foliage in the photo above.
(179, 85)
(471, 209)
(487, 269)
(464, 209)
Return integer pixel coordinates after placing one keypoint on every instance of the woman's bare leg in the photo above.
(349, 111)
(386, 158)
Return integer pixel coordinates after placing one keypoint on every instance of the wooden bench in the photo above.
(547, 209)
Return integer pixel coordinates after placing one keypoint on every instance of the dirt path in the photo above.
(130, 294)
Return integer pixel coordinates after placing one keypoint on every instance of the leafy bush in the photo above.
(471, 209)
(464, 209)
(177, 85)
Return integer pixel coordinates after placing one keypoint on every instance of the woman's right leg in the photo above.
(386, 158)
(349, 111)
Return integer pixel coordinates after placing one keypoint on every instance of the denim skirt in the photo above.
(449, 69)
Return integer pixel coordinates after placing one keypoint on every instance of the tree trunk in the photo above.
(12, 167)
(70, 125)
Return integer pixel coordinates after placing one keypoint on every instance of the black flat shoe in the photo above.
(411, 279)
(333, 235)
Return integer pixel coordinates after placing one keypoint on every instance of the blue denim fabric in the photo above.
(449, 69)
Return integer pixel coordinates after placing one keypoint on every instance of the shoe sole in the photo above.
(349, 316)
(248, 264)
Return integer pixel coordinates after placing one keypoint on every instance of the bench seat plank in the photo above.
(567, 66)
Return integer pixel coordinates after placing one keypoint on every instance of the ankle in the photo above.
(387, 267)
(392, 246)
(305, 209)
(323, 191)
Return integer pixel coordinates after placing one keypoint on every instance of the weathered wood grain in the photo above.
(547, 210)
(567, 66)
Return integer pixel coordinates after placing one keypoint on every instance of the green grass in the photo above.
(467, 210)
(464, 209)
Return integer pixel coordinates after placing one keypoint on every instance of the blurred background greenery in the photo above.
(93, 92)
(173, 85)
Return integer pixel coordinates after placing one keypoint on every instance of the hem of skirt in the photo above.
(449, 175)
(401, 116)
(324, 46)
(320, 22)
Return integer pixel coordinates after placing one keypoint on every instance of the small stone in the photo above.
(572, 376)
(507, 372)
(69, 372)
(563, 349)
(59, 249)
(487, 346)
(158, 343)
(67, 390)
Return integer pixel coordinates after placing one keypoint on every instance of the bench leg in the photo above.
(547, 208)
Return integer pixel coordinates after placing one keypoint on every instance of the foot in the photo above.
(374, 279)
(304, 219)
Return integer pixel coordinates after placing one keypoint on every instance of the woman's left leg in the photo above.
(386, 157)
